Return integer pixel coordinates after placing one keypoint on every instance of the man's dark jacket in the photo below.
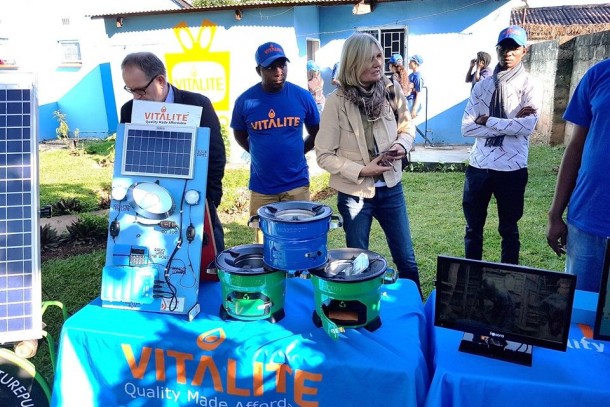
(218, 157)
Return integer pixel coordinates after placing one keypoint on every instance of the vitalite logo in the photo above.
(162, 117)
(275, 122)
(273, 48)
(202, 370)
(201, 67)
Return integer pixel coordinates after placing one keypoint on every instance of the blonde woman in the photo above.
(361, 144)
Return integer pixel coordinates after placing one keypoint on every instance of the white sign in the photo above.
(161, 113)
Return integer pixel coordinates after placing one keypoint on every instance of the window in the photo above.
(392, 40)
(312, 47)
(70, 52)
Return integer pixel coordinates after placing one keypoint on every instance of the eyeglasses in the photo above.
(140, 91)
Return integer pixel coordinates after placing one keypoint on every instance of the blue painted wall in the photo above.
(89, 106)
(444, 32)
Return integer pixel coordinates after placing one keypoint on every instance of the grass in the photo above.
(433, 202)
(80, 176)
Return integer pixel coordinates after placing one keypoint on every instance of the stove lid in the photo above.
(244, 259)
(340, 266)
(294, 211)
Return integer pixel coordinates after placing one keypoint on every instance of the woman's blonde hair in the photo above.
(356, 57)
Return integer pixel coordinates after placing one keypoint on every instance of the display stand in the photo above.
(497, 348)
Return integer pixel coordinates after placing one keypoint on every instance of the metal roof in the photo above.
(142, 7)
(562, 16)
(112, 7)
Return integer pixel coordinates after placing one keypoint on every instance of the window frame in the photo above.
(398, 46)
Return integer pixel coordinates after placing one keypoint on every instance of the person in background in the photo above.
(267, 122)
(583, 185)
(335, 74)
(361, 144)
(479, 68)
(500, 115)
(399, 73)
(416, 84)
(145, 78)
(315, 84)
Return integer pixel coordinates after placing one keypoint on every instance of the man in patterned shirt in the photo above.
(500, 115)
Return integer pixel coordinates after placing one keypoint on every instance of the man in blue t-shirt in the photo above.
(416, 83)
(583, 185)
(268, 123)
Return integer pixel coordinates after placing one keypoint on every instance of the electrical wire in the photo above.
(173, 303)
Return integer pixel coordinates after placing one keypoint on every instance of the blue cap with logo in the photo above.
(269, 52)
(395, 59)
(417, 59)
(515, 33)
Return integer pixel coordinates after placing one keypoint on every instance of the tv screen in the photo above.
(602, 317)
(498, 302)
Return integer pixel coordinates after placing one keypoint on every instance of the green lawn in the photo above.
(434, 207)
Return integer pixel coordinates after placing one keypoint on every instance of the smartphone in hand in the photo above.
(388, 157)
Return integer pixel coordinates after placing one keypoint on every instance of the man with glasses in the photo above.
(145, 78)
(268, 122)
(500, 115)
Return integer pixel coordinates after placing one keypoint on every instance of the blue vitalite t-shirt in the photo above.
(588, 207)
(274, 122)
(415, 84)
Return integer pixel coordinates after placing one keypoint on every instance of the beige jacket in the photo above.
(341, 146)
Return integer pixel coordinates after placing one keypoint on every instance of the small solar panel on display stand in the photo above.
(158, 151)
(20, 290)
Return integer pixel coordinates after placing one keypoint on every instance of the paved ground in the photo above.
(60, 223)
(447, 154)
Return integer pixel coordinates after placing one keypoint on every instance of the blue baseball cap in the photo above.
(417, 59)
(312, 66)
(269, 52)
(515, 33)
(395, 58)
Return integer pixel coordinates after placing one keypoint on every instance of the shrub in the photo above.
(88, 228)
(66, 207)
(49, 238)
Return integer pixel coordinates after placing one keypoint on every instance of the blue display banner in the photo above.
(115, 357)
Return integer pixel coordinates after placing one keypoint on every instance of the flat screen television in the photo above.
(503, 309)
(601, 329)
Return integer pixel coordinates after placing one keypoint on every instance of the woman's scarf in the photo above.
(499, 99)
(370, 102)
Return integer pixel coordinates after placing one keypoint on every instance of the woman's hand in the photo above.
(376, 167)
(383, 162)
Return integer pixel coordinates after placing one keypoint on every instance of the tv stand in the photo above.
(497, 348)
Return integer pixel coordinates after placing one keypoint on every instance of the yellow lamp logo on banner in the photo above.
(198, 69)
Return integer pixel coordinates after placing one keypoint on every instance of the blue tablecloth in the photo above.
(112, 357)
(578, 377)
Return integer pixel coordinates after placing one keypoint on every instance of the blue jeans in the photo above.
(585, 255)
(509, 189)
(389, 207)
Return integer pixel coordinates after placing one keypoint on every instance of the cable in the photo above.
(173, 303)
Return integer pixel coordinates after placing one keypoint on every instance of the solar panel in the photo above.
(20, 291)
(159, 151)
